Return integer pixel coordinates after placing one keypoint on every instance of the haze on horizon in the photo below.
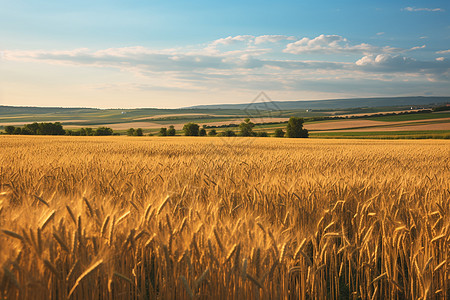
(126, 54)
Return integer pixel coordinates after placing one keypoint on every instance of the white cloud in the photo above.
(443, 52)
(386, 63)
(329, 44)
(381, 60)
(133, 58)
(272, 39)
(440, 58)
(322, 44)
(418, 47)
(423, 9)
(245, 43)
(246, 65)
(232, 40)
(380, 33)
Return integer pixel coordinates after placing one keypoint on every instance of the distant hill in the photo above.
(334, 103)
(331, 104)
(153, 117)
(43, 110)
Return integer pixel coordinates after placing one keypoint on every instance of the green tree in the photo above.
(171, 131)
(279, 132)
(25, 130)
(202, 132)
(139, 132)
(130, 132)
(163, 131)
(31, 129)
(103, 131)
(9, 129)
(227, 133)
(246, 128)
(295, 129)
(191, 129)
(441, 108)
(212, 132)
(262, 134)
(86, 131)
(58, 129)
(18, 130)
(50, 129)
(90, 131)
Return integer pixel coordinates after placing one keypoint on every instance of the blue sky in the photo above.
(181, 53)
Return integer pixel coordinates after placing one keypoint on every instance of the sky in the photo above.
(169, 54)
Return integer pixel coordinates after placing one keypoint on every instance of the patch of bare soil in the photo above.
(345, 124)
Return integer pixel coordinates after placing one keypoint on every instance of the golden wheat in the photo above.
(202, 218)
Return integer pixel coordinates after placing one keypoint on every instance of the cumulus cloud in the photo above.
(249, 42)
(443, 52)
(329, 44)
(383, 60)
(165, 61)
(232, 40)
(399, 64)
(240, 62)
(413, 9)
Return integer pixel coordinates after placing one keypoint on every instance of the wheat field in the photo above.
(206, 218)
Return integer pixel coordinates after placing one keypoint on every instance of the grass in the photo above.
(208, 218)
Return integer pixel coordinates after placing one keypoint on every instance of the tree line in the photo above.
(56, 129)
(294, 129)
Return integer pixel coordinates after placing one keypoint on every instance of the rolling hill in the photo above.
(337, 103)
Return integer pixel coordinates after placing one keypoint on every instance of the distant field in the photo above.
(344, 124)
(437, 134)
(411, 117)
(372, 125)
(408, 127)
(433, 123)
(151, 120)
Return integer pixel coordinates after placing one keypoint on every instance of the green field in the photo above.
(152, 119)
(411, 117)
(423, 134)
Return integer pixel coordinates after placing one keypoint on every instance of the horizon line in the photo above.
(203, 106)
